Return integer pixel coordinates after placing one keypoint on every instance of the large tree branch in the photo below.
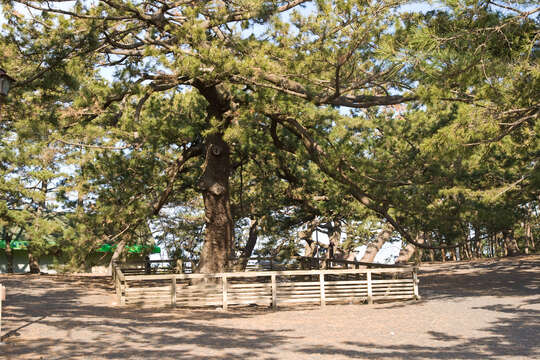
(339, 173)
(177, 168)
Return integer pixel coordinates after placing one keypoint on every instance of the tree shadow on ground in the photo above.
(454, 282)
(489, 279)
(513, 332)
(119, 331)
(508, 337)
(92, 328)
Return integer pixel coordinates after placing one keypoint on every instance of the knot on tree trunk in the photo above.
(215, 150)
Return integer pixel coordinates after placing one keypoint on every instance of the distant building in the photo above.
(96, 262)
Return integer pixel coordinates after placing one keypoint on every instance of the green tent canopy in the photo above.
(135, 249)
(15, 245)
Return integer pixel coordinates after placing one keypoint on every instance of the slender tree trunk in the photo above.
(9, 256)
(373, 247)
(470, 250)
(480, 249)
(116, 254)
(251, 242)
(443, 255)
(504, 247)
(530, 236)
(9, 251)
(477, 243)
(453, 254)
(496, 247)
(214, 184)
(33, 259)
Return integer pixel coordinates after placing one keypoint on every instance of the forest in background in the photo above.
(216, 127)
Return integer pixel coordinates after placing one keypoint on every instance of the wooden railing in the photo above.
(270, 288)
(253, 264)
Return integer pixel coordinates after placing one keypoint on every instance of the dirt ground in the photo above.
(480, 310)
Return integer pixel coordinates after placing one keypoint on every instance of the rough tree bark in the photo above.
(407, 252)
(431, 255)
(374, 246)
(9, 251)
(116, 254)
(527, 242)
(334, 241)
(511, 243)
(341, 174)
(310, 248)
(214, 185)
(33, 262)
(251, 242)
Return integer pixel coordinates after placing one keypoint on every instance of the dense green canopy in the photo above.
(211, 125)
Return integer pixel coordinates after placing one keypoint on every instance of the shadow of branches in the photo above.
(75, 318)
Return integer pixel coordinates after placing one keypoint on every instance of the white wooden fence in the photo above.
(272, 288)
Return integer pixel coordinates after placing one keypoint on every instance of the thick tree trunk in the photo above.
(431, 255)
(310, 247)
(407, 252)
(373, 247)
(470, 253)
(443, 255)
(511, 243)
(214, 184)
(453, 254)
(504, 246)
(33, 262)
(477, 243)
(334, 242)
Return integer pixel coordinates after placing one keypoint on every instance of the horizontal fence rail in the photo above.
(178, 266)
(270, 288)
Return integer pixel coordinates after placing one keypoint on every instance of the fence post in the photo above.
(123, 299)
(323, 295)
(274, 292)
(224, 283)
(415, 283)
(2, 297)
(369, 288)
(173, 290)
(118, 286)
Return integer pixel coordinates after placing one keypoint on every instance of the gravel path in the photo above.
(481, 310)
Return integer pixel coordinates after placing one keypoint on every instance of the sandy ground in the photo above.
(481, 310)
